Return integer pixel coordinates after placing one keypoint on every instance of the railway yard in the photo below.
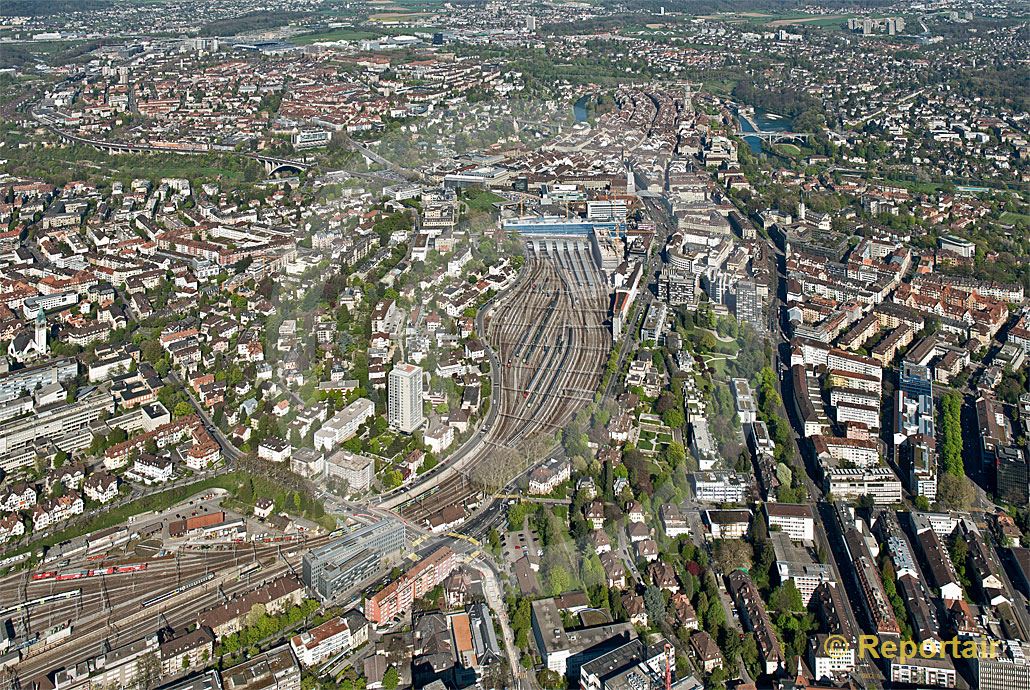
(550, 343)
(103, 600)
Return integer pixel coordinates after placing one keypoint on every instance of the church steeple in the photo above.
(41, 332)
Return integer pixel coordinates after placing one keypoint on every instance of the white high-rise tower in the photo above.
(404, 406)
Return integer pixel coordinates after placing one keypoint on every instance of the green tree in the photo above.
(654, 602)
(673, 418)
(391, 679)
(732, 554)
(246, 491)
(951, 434)
(786, 598)
(955, 492)
(676, 453)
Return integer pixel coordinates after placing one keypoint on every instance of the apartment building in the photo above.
(276, 669)
(357, 470)
(344, 424)
(322, 642)
(753, 615)
(404, 408)
(879, 483)
(832, 450)
(399, 594)
(796, 520)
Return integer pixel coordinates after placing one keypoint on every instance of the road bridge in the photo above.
(775, 137)
(273, 164)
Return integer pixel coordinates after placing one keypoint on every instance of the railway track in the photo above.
(98, 596)
(551, 343)
(109, 611)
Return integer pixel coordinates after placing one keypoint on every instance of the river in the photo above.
(579, 108)
(767, 122)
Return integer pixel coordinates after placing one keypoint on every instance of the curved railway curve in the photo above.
(550, 344)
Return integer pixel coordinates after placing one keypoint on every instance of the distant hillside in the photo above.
(247, 23)
(45, 8)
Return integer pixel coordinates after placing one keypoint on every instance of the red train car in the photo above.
(72, 576)
(132, 568)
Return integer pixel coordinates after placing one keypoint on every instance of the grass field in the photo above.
(722, 87)
(788, 150)
(482, 201)
(116, 516)
(398, 16)
(778, 20)
(1017, 218)
(411, 5)
(809, 20)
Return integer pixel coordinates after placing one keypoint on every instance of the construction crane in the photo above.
(668, 666)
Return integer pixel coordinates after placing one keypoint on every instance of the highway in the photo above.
(385, 162)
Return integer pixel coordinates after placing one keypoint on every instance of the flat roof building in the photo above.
(342, 564)
(795, 519)
(564, 652)
(795, 564)
(275, 669)
(357, 470)
(344, 424)
(879, 483)
(405, 398)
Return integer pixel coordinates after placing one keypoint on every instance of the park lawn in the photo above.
(729, 347)
(83, 162)
(482, 200)
(789, 150)
(722, 87)
(718, 368)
